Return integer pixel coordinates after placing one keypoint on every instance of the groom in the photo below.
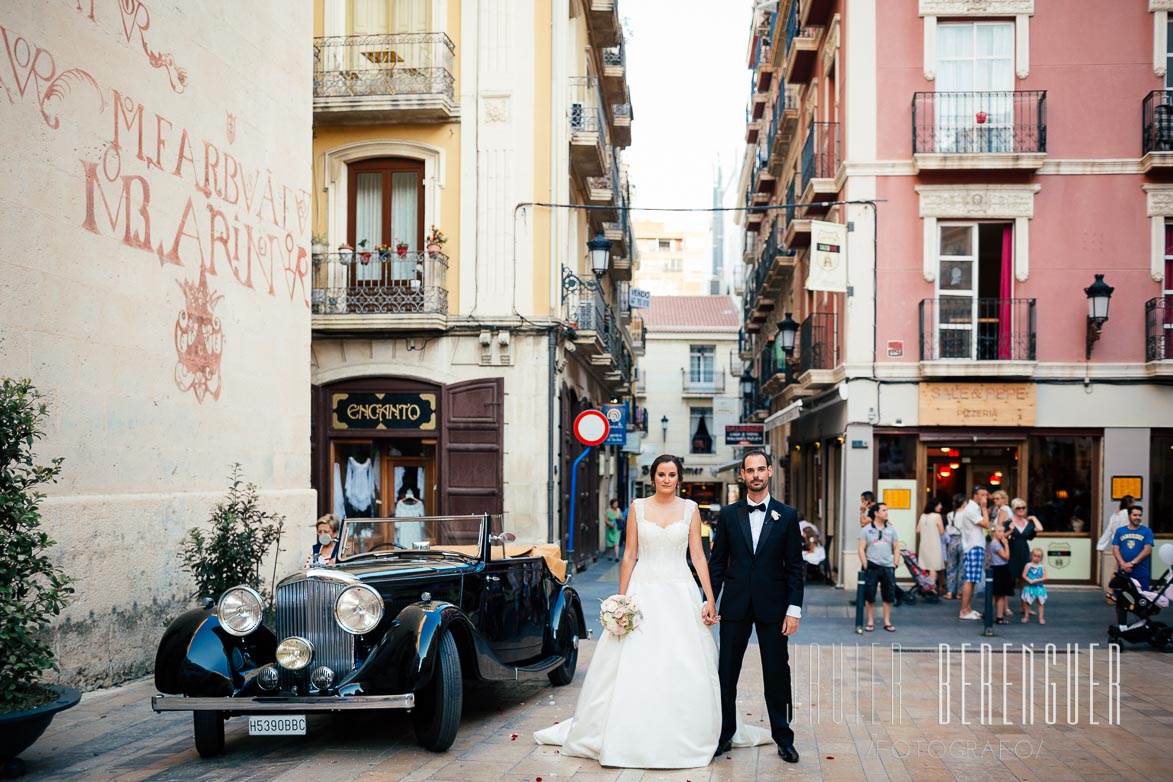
(757, 556)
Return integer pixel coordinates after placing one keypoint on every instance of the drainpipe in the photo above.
(551, 531)
(558, 13)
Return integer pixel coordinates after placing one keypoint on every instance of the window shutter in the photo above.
(471, 464)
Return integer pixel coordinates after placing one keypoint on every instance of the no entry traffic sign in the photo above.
(591, 427)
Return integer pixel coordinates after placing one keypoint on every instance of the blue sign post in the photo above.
(591, 428)
(617, 420)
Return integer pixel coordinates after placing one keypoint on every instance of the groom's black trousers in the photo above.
(775, 652)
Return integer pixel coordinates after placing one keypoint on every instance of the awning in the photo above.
(785, 415)
(725, 467)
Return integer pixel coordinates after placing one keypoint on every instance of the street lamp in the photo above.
(1099, 294)
(600, 248)
(784, 341)
(747, 384)
(664, 427)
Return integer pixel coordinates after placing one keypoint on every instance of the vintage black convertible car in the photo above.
(412, 609)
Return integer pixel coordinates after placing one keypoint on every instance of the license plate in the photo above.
(284, 725)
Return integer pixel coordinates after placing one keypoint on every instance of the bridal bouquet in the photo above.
(619, 615)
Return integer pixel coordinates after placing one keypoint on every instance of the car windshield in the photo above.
(453, 534)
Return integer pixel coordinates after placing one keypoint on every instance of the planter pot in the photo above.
(318, 249)
(433, 250)
(19, 729)
(346, 255)
(401, 252)
(365, 258)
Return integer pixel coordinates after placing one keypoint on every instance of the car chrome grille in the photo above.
(306, 608)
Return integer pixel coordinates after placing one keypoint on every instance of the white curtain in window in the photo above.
(411, 16)
(700, 364)
(368, 222)
(405, 222)
(975, 57)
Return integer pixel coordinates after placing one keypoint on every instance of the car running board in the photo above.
(539, 668)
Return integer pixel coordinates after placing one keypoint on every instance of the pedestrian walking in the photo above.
(1104, 545)
(879, 549)
(1132, 546)
(931, 550)
(1022, 531)
(998, 554)
(954, 551)
(1035, 591)
(614, 518)
(974, 521)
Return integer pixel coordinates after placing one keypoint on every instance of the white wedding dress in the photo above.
(652, 699)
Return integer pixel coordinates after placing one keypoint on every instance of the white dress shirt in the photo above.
(757, 520)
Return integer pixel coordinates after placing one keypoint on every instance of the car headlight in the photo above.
(240, 610)
(294, 653)
(358, 609)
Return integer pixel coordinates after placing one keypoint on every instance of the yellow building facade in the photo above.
(464, 154)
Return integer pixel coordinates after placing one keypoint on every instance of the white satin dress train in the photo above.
(653, 698)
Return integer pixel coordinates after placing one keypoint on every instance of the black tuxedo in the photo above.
(758, 587)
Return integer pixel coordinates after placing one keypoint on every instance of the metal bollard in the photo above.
(859, 602)
(988, 614)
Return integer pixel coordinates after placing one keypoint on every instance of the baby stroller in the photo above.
(922, 586)
(1145, 605)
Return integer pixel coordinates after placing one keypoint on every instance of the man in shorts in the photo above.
(974, 520)
(879, 549)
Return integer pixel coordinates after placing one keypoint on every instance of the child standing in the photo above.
(998, 555)
(1035, 575)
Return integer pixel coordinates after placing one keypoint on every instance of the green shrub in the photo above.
(231, 552)
(32, 589)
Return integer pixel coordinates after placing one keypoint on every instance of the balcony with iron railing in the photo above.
(979, 130)
(702, 383)
(818, 349)
(614, 79)
(802, 46)
(1156, 141)
(383, 289)
(621, 124)
(589, 139)
(796, 227)
(960, 329)
(603, 23)
(1158, 318)
(745, 345)
(385, 78)
(820, 162)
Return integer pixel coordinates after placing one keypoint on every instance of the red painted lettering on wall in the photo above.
(30, 63)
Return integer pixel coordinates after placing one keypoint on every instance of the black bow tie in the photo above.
(761, 507)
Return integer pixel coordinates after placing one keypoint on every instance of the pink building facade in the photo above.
(989, 161)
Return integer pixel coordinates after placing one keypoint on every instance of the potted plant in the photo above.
(436, 240)
(318, 245)
(33, 590)
(346, 250)
(401, 248)
(982, 117)
(240, 538)
(364, 254)
(384, 251)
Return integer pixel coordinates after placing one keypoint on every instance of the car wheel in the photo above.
(209, 733)
(438, 705)
(564, 674)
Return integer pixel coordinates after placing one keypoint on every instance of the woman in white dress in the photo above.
(652, 699)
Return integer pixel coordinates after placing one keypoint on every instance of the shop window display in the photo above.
(1062, 473)
(1159, 507)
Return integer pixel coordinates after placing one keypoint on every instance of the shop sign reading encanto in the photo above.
(384, 411)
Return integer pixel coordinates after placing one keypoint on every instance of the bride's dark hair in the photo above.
(664, 458)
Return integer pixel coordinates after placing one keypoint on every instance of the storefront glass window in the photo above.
(897, 455)
(1159, 507)
(1062, 473)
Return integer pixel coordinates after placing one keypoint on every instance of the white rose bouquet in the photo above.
(619, 615)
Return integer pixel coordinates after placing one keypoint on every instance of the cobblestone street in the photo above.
(861, 712)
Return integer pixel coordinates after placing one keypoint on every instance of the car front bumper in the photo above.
(262, 705)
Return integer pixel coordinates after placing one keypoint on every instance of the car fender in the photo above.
(567, 597)
(406, 656)
(197, 657)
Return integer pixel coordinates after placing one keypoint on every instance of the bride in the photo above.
(652, 699)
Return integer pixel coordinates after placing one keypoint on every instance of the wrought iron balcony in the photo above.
(385, 283)
(1158, 318)
(702, 383)
(589, 138)
(820, 155)
(801, 45)
(970, 329)
(406, 75)
(980, 123)
(1157, 122)
(818, 342)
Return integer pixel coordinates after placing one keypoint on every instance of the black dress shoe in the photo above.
(788, 753)
(723, 747)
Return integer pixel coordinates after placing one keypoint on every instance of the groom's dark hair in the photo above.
(756, 452)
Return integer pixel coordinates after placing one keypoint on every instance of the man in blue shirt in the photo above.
(1132, 546)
